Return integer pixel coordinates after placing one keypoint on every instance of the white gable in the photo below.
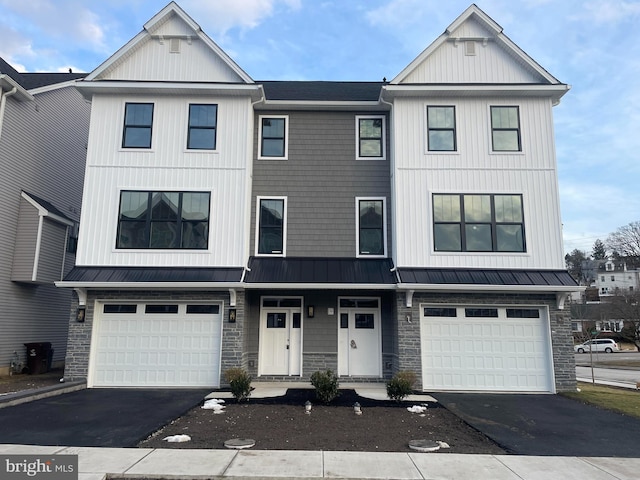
(473, 50)
(171, 48)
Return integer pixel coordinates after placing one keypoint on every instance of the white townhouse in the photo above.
(285, 227)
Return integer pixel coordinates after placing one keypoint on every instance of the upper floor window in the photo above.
(202, 127)
(371, 227)
(505, 129)
(478, 223)
(370, 138)
(273, 137)
(138, 121)
(271, 231)
(441, 125)
(170, 220)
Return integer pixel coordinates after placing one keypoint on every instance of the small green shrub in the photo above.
(326, 384)
(401, 385)
(240, 383)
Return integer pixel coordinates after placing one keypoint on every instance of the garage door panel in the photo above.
(156, 349)
(487, 354)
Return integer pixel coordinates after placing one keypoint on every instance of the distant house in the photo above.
(288, 227)
(614, 278)
(44, 125)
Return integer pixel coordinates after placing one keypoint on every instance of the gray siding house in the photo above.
(43, 133)
(289, 227)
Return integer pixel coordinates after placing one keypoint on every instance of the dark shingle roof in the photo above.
(48, 206)
(29, 81)
(322, 91)
(320, 270)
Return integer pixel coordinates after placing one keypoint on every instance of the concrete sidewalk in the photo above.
(97, 463)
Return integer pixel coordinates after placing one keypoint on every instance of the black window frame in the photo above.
(453, 129)
(380, 139)
(495, 129)
(127, 125)
(380, 228)
(283, 138)
(265, 227)
(213, 128)
(180, 222)
(493, 224)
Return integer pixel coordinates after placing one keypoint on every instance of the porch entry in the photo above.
(359, 337)
(280, 336)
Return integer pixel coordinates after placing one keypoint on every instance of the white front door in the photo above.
(359, 339)
(280, 341)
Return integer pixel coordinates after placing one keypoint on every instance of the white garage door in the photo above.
(486, 349)
(153, 345)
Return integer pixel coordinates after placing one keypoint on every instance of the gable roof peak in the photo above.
(163, 15)
(474, 11)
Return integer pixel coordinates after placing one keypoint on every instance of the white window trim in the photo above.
(426, 129)
(200, 151)
(286, 137)
(520, 127)
(284, 226)
(154, 134)
(384, 227)
(384, 136)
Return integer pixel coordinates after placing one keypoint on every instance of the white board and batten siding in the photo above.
(474, 168)
(167, 166)
(486, 354)
(140, 349)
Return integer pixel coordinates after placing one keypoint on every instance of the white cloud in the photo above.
(609, 11)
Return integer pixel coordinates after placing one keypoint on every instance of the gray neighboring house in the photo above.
(288, 227)
(44, 124)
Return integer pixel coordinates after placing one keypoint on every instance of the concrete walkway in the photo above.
(97, 463)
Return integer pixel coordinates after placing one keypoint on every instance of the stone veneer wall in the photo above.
(79, 341)
(409, 357)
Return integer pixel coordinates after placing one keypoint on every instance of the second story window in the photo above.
(138, 121)
(478, 223)
(202, 127)
(370, 138)
(441, 125)
(505, 129)
(163, 220)
(271, 231)
(273, 137)
(371, 227)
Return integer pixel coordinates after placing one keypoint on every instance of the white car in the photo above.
(602, 345)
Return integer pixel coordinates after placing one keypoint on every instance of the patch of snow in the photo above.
(443, 444)
(417, 409)
(214, 404)
(177, 438)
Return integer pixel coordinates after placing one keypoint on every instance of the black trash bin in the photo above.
(39, 357)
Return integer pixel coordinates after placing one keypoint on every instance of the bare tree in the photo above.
(625, 305)
(625, 243)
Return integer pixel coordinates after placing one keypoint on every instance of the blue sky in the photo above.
(592, 45)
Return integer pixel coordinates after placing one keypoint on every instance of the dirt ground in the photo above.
(282, 424)
(24, 381)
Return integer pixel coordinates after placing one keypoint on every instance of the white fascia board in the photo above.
(8, 83)
(55, 86)
(43, 212)
(149, 285)
(88, 88)
(121, 52)
(534, 90)
(321, 105)
(320, 286)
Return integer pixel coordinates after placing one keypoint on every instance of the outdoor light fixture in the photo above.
(356, 409)
(232, 315)
(310, 311)
(307, 407)
(80, 312)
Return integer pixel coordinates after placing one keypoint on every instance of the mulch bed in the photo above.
(281, 424)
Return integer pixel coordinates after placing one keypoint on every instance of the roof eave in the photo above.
(457, 287)
(373, 105)
(321, 286)
(8, 83)
(555, 91)
(149, 285)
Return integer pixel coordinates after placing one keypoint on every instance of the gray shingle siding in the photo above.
(321, 180)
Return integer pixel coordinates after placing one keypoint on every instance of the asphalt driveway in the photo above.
(95, 417)
(546, 424)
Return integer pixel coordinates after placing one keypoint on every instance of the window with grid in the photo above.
(273, 137)
(163, 220)
(441, 125)
(370, 137)
(138, 122)
(478, 223)
(505, 129)
(202, 127)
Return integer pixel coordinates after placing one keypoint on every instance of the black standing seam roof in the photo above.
(494, 277)
(152, 275)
